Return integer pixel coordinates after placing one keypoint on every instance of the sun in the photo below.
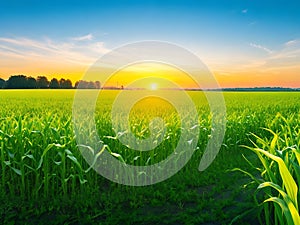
(153, 86)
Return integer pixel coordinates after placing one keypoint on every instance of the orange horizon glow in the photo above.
(282, 77)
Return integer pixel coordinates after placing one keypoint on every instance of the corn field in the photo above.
(43, 174)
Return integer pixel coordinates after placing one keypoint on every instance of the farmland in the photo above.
(44, 176)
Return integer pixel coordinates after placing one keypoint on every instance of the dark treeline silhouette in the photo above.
(42, 82)
(82, 84)
(2, 83)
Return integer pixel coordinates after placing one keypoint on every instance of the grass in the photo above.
(44, 176)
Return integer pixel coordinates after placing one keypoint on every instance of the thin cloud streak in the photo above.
(261, 47)
(292, 42)
(74, 51)
(290, 50)
(283, 60)
(87, 37)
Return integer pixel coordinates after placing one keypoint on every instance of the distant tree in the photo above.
(54, 84)
(82, 84)
(91, 85)
(42, 82)
(76, 84)
(62, 82)
(16, 81)
(68, 84)
(98, 84)
(65, 84)
(31, 83)
(2, 83)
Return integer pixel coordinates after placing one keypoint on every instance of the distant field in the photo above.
(44, 176)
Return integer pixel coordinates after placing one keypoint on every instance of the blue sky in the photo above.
(183, 21)
(227, 35)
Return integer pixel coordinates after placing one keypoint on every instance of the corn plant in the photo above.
(40, 159)
(280, 171)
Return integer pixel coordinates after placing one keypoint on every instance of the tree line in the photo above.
(42, 82)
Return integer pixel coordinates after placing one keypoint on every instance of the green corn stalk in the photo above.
(280, 173)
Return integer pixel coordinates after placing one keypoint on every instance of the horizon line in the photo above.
(112, 87)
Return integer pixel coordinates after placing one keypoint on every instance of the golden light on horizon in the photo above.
(285, 77)
(153, 86)
(157, 75)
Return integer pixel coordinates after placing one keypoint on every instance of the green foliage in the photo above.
(279, 157)
(43, 175)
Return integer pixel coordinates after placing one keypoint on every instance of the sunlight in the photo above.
(153, 86)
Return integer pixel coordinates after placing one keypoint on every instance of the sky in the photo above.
(245, 43)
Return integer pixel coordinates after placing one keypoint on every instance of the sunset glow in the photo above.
(150, 76)
(153, 87)
(244, 44)
(149, 112)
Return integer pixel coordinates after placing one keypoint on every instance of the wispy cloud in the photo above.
(252, 23)
(74, 51)
(245, 11)
(287, 57)
(87, 37)
(261, 48)
(291, 42)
